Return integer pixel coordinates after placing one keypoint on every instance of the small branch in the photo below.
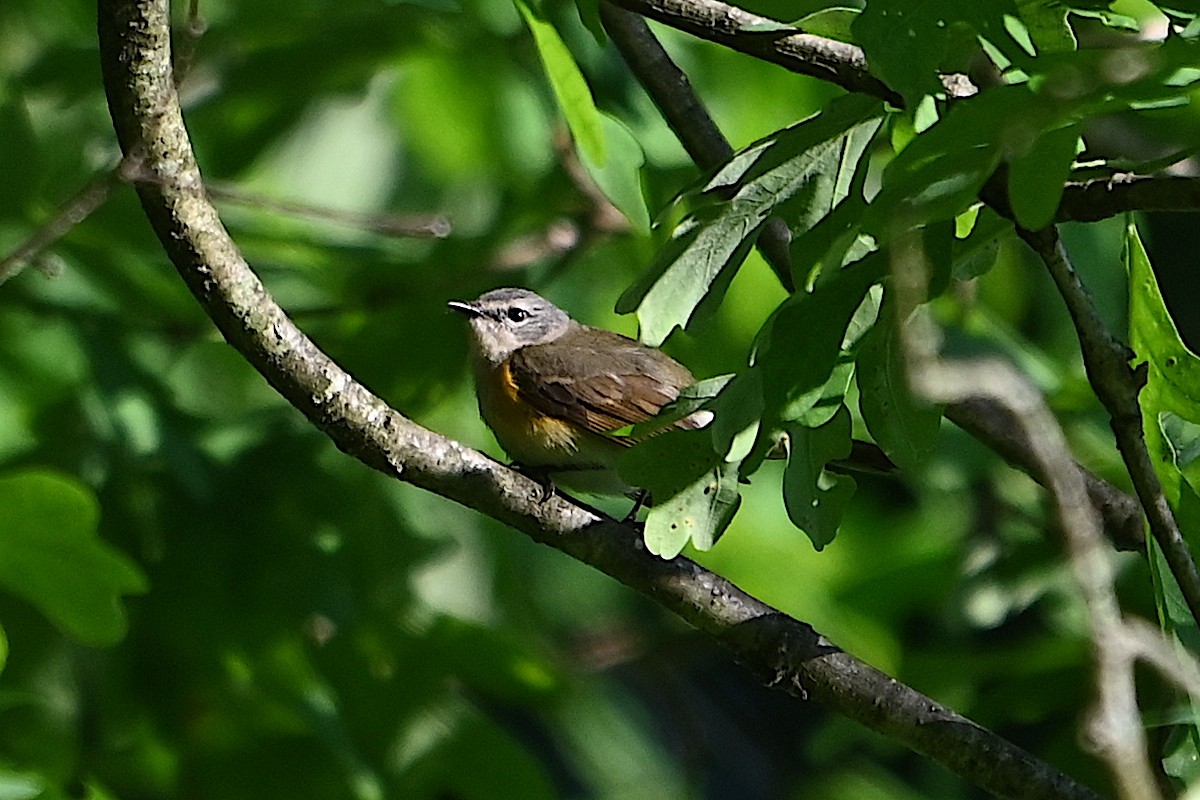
(998, 428)
(816, 56)
(1102, 198)
(135, 55)
(1116, 385)
(72, 212)
(429, 226)
(672, 92)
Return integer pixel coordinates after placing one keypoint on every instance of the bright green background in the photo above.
(294, 625)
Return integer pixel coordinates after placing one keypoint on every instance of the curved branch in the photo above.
(135, 52)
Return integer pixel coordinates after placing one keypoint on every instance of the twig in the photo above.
(1116, 385)
(72, 212)
(431, 226)
(816, 56)
(1101, 198)
(135, 46)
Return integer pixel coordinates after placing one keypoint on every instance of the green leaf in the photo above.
(22, 785)
(1037, 177)
(51, 556)
(699, 513)
(738, 415)
(3, 648)
(905, 427)
(800, 345)
(806, 164)
(834, 22)
(1046, 21)
(1173, 378)
(975, 254)
(815, 498)
(619, 177)
(694, 490)
(939, 175)
(570, 88)
(908, 44)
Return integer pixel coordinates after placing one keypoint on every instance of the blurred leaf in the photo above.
(808, 164)
(21, 785)
(211, 379)
(3, 648)
(619, 176)
(574, 96)
(816, 499)
(905, 427)
(51, 556)
(1046, 21)
(1036, 178)
(21, 174)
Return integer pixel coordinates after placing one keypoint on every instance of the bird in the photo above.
(560, 396)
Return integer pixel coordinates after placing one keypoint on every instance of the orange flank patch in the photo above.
(526, 434)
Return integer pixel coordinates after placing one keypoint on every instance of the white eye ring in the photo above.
(517, 314)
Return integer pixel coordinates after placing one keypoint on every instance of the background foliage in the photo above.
(200, 597)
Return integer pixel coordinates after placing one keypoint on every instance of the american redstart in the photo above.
(557, 394)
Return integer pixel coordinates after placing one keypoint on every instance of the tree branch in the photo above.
(804, 53)
(998, 428)
(1101, 198)
(135, 53)
(1116, 385)
(1115, 727)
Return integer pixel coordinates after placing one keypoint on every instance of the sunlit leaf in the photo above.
(574, 95)
(804, 166)
(694, 490)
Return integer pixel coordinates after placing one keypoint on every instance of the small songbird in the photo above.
(556, 392)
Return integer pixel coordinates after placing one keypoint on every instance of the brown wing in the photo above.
(597, 379)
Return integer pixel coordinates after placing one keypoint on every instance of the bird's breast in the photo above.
(526, 434)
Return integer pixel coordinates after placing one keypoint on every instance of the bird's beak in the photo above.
(467, 309)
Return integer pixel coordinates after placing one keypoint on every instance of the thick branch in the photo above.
(134, 39)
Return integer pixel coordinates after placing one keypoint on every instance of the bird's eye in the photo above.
(518, 314)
